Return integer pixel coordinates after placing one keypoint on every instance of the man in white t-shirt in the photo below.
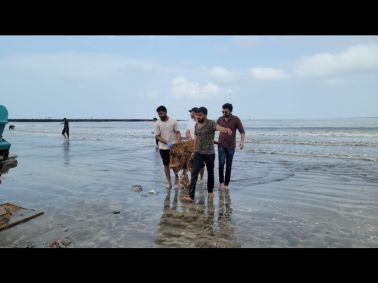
(167, 132)
(190, 134)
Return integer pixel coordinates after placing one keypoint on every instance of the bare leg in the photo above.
(176, 180)
(168, 176)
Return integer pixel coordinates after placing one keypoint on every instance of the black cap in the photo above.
(194, 109)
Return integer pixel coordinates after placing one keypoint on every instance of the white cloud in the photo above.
(353, 58)
(78, 66)
(268, 73)
(183, 88)
(222, 75)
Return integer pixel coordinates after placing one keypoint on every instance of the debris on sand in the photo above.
(64, 243)
(137, 188)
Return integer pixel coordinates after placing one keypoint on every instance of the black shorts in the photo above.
(164, 153)
(65, 131)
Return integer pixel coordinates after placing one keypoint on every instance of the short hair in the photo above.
(227, 106)
(155, 119)
(161, 108)
(202, 110)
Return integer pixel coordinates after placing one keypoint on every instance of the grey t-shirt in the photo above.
(205, 137)
(167, 130)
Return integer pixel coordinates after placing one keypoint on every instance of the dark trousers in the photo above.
(198, 160)
(225, 155)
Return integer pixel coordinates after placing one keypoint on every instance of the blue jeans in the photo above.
(225, 155)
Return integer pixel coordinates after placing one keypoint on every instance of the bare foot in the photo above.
(187, 199)
(169, 186)
(210, 195)
(221, 185)
(225, 187)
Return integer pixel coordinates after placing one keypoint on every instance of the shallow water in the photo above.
(297, 183)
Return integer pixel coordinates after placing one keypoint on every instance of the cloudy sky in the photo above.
(264, 77)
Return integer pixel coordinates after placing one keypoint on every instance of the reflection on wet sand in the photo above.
(193, 224)
(66, 148)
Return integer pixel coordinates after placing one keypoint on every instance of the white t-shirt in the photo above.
(191, 127)
(166, 129)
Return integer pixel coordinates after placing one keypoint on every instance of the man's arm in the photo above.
(242, 134)
(223, 130)
(177, 132)
(159, 138)
(187, 134)
(158, 134)
(194, 148)
(242, 137)
(178, 135)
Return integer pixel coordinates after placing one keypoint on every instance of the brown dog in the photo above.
(180, 160)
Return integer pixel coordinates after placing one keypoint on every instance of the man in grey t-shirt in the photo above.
(167, 132)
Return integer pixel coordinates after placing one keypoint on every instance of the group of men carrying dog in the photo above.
(198, 151)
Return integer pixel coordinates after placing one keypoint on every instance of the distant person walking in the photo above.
(168, 133)
(227, 143)
(66, 129)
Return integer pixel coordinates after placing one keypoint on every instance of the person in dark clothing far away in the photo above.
(66, 129)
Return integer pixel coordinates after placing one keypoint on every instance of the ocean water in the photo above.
(297, 183)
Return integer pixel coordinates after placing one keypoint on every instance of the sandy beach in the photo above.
(297, 183)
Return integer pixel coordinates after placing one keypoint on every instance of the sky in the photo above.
(264, 77)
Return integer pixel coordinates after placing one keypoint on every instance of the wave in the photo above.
(313, 134)
(316, 154)
(316, 143)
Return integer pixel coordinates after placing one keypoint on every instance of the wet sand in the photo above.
(273, 200)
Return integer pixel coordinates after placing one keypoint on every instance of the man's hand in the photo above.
(228, 131)
(241, 146)
(192, 156)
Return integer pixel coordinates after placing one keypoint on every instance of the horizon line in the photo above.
(151, 119)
